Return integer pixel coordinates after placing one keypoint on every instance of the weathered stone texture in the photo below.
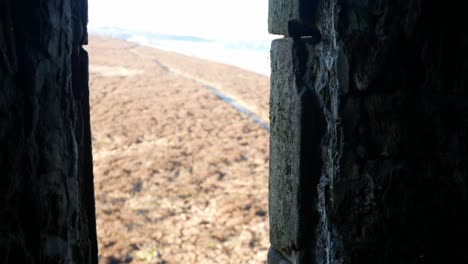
(276, 257)
(296, 127)
(285, 126)
(292, 17)
(46, 182)
(389, 79)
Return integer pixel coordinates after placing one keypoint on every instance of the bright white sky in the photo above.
(220, 19)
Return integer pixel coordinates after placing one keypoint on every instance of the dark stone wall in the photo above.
(46, 181)
(379, 89)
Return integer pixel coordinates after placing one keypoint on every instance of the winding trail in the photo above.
(222, 96)
(237, 104)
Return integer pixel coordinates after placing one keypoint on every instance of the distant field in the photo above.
(250, 54)
(180, 175)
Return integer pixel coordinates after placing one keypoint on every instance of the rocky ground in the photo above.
(180, 175)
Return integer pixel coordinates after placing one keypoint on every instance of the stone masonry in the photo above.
(47, 210)
(369, 133)
(369, 128)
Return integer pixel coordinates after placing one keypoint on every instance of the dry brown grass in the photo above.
(180, 176)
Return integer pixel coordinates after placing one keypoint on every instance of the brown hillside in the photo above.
(180, 176)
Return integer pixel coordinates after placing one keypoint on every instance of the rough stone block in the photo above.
(284, 146)
(295, 155)
(47, 210)
(291, 17)
(275, 257)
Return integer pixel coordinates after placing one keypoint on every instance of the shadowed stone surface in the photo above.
(390, 81)
(46, 182)
(285, 114)
(293, 18)
(275, 257)
(297, 125)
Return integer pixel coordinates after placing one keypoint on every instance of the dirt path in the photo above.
(180, 176)
(230, 99)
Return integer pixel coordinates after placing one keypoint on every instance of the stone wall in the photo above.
(46, 181)
(369, 132)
